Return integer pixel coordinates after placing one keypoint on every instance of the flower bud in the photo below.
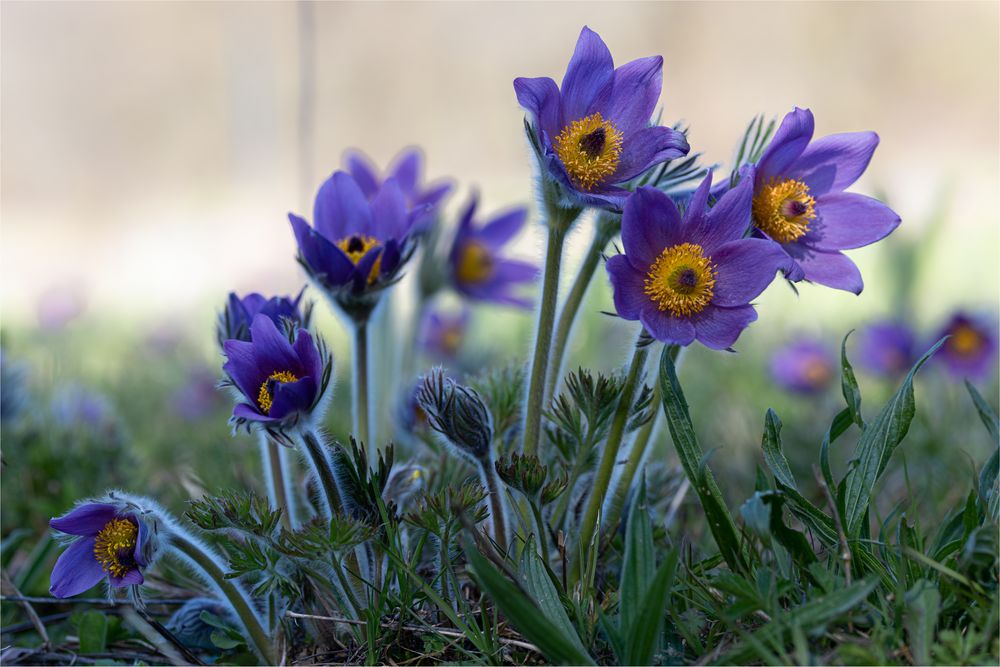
(458, 413)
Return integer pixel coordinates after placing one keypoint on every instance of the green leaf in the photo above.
(524, 614)
(639, 566)
(838, 426)
(720, 521)
(645, 630)
(223, 640)
(539, 584)
(876, 445)
(92, 628)
(849, 385)
(774, 457)
(923, 603)
(11, 543)
(989, 485)
(985, 413)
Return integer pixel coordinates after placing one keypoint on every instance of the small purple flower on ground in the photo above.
(442, 332)
(971, 350)
(803, 366)
(886, 348)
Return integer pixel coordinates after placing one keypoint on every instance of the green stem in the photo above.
(609, 457)
(603, 233)
(362, 418)
(498, 511)
(323, 470)
(543, 340)
(543, 538)
(277, 487)
(445, 565)
(237, 597)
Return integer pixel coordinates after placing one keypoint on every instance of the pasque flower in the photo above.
(803, 366)
(277, 380)
(442, 332)
(971, 349)
(478, 270)
(692, 277)
(407, 170)
(886, 348)
(112, 541)
(799, 200)
(234, 322)
(593, 130)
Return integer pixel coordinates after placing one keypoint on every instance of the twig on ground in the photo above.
(9, 587)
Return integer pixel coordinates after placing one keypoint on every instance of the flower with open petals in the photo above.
(803, 366)
(593, 131)
(111, 542)
(234, 322)
(692, 278)
(886, 348)
(971, 349)
(277, 380)
(478, 270)
(442, 332)
(407, 169)
(799, 201)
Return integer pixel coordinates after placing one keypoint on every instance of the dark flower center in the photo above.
(687, 278)
(355, 244)
(793, 208)
(593, 143)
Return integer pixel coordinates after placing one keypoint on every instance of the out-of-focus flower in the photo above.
(113, 541)
(235, 319)
(971, 350)
(59, 305)
(410, 415)
(692, 278)
(593, 130)
(803, 366)
(886, 348)
(357, 245)
(478, 270)
(799, 200)
(442, 332)
(75, 405)
(198, 396)
(13, 388)
(407, 169)
(277, 380)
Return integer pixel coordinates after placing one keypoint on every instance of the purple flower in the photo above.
(799, 201)
(358, 243)
(477, 269)
(886, 348)
(971, 350)
(279, 380)
(239, 313)
(692, 278)
(111, 542)
(803, 366)
(442, 333)
(406, 168)
(593, 130)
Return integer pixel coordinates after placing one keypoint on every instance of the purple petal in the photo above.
(389, 212)
(433, 193)
(76, 570)
(364, 173)
(391, 255)
(250, 413)
(646, 148)
(241, 366)
(847, 220)
(292, 397)
(744, 269)
(341, 208)
(832, 269)
(326, 260)
(665, 328)
(130, 578)
(514, 271)
(140, 542)
(363, 271)
(697, 205)
(629, 100)
(540, 97)
(308, 355)
(727, 221)
(590, 69)
(407, 168)
(650, 223)
(786, 146)
(628, 286)
(833, 163)
(271, 348)
(504, 226)
(88, 519)
(718, 328)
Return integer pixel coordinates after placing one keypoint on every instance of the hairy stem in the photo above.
(362, 417)
(498, 511)
(543, 538)
(323, 469)
(609, 457)
(275, 475)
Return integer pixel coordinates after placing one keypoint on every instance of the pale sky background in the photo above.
(150, 151)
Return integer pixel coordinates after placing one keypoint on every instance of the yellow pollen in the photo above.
(264, 398)
(681, 280)
(356, 247)
(114, 546)
(590, 150)
(783, 209)
(475, 263)
(965, 340)
(817, 372)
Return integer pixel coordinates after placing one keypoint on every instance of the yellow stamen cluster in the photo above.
(783, 209)
(264, 398)
(356, 247)
(681, 280)
(590, 150)
(115, 543)
(475, 263)
(965, 340)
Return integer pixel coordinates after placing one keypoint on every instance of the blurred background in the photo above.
(152, 151)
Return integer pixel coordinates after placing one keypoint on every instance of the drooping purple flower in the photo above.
(407, 169)
(278, 380)
(442, 332)
(234, 323)
(478, 270)
(593, 130)
(799, 201)
(692, 278)
(803, 366)
(971, 350)
(886, 348)
(357, 244)
(111, 542)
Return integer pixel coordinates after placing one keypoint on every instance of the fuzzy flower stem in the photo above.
(543, 538)
(323, 470)
(609, 458)
(274, 462)
(206, 561)
(361, 412)
(498, 510)
(604, 230)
